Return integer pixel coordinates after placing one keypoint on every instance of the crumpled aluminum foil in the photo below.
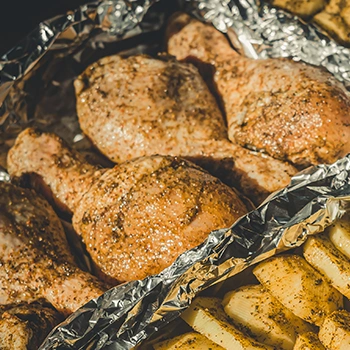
(47, 58)
(117, 18)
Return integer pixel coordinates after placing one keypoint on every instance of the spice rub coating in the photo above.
(168, 110)
(290, 110)
(136, 218)
(35, 259)
(136, 106)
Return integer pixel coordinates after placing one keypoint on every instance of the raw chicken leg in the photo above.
(140, 106)
(136, 218)
(292, 111)
(35, 258)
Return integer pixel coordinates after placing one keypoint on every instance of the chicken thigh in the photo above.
(290, 110)
(25, 326)
(140, 106)
(136, 218)
(36, 262)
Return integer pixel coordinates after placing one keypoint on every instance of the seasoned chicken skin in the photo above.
(25, 326)
(291, 111)
(140, 106)
(136, 218)
(36, 262)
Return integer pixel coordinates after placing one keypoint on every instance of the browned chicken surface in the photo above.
(36, 262)
(140, 106)
(136, 218)
(25, 326)
(292, 111)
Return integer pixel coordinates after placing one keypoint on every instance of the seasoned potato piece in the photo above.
(299, 287)
(329, 261)
(345, 14)
(333, 16)
(301, 8)
(333, 7)
(254, 308)
(206, 316)
(339, 234)
(335, 331)
(335, 19)
(188, 341)
(334, 25)
(308, 341)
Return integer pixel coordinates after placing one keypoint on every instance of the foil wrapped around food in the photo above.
(36, 89)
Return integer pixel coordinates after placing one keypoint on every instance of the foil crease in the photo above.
(127, 314)
(124, 316)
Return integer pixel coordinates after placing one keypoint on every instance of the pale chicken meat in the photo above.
(36, 262)
(25, 326)
(136, 218)
(290, 110)
(140, 106)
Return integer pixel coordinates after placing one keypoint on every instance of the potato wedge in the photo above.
(335, 331)
(206, 316)
(267, 320)
(308, 341)
(301, 8)
(188, 341)
(334, 6)
(299, 287)
(335, 19)
(335, 25)
(320, 253)
(345, 14)
(339, 234)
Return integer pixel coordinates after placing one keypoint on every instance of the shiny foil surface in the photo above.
(36, 89)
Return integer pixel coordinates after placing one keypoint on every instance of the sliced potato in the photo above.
(299, 287)
(335, 331)
(188, 341)
(301, 8)
(329, 261)
(206, 316)
(335, 20)
(339, 234)
(333, 7)
(333, 16)
(308, 341)
(345, 14)
(254, 308)
(334, 25)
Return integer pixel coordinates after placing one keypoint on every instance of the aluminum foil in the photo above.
(116, 18)
(36, 88)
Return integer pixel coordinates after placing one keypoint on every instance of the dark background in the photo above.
(18, 18)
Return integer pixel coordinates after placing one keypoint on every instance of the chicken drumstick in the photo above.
(136, 218)
(35, 258)
(291, 111)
